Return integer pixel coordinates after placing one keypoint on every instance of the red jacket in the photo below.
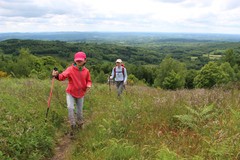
(78, 81)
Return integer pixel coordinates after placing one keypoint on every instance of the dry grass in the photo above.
(144, 117)
(146, 123)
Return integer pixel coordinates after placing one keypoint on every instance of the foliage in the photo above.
(28, 65)
(210, 75)
(132, 80)
(101, 77)
(36, 58)
(230, 57)
(98, 52)
(171, 74)
(146, 123)
(197, 117)
(120, 150)
(173, 81)
(226, 67)
(24, 133)
(166, 154)
(191, 74)
(3, 74)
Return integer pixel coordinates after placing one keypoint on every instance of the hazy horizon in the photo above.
(118, 36)
(202, 33)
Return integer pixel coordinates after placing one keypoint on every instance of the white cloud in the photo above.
(218, 16)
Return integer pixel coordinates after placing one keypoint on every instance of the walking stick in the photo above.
(124, 87)
(50, 95)
(109, 83)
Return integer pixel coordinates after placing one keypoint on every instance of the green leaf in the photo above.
(206, 109)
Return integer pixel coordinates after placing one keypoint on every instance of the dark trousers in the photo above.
(119, 85)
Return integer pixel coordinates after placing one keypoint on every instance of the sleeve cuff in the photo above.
(57, 76)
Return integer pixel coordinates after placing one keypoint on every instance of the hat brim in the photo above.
(79, 59)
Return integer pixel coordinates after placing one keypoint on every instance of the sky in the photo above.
(185, 16)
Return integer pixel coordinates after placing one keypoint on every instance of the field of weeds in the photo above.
(146, 123)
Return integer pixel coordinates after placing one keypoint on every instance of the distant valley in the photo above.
(120, 37)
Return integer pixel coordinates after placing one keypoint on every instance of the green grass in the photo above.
(145, 121)
(145, 124)
(23, 131)
(212, 56)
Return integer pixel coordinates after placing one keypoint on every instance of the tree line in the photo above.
(168, 66)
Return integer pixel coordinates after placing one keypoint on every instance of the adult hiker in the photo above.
(79, 82)
(119, 74)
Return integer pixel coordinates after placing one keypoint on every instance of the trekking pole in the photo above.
(50, 95)
(109, 83)
(124, 87)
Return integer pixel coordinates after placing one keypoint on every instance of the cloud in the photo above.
(124, 15)
(20, 9)
(227, 4)
(170, 1)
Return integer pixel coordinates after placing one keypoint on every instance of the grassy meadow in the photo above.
(145, 124)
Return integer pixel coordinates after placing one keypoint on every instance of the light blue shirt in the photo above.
(119, 74)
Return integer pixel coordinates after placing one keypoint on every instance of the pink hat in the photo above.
(80, 56)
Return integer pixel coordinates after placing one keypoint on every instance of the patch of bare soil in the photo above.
(63, 148)
(65, 144)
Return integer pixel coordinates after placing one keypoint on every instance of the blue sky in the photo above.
(190, 16)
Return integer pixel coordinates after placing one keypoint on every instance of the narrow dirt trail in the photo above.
(65, 145)
(63, 148)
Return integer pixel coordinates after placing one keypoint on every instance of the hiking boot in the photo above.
(72, 131)
(80, 124)
(71, 134)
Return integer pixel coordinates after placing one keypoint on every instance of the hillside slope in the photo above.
(146, 123)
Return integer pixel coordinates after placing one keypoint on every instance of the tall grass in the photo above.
(149, 124)
(146, 123)
(23, 131)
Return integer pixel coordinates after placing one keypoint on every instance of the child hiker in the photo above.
(119, 72)
(79, 82)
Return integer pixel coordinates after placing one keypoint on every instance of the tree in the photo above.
(236, 69)
(132, 79)
(210, 75)
(172, 81)
(101, 77)
(169, 71)
(230, 57)
(22, 67)
(226, 67)
(191, 74)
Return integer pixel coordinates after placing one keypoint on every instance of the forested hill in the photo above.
(110, 37)
(170, 63)
(96, 52)
(183, 50)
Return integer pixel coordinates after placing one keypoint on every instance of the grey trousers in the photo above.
(79, 109)
(119, 85)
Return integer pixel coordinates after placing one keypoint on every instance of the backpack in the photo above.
(122, 70)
